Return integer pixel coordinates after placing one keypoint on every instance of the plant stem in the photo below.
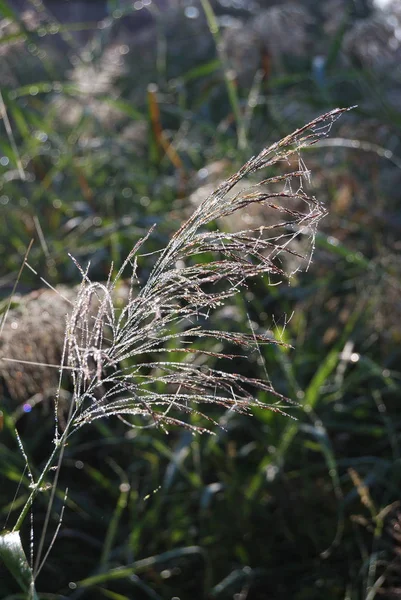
(228, 79)
(39, 482)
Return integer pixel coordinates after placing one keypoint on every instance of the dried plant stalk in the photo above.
(112, 354)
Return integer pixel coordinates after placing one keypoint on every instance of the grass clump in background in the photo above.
(268, 506)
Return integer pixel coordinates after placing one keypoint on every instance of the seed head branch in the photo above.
(114, 352)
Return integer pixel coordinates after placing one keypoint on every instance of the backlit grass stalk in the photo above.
(119, 358)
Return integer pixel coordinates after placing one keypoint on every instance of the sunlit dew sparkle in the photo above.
(191, 12)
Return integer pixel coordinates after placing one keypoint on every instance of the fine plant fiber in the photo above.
(146, 363)
(112, 352)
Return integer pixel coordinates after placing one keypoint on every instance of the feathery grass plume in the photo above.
(112, 354)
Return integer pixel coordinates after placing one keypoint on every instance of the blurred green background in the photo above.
(117, 115)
